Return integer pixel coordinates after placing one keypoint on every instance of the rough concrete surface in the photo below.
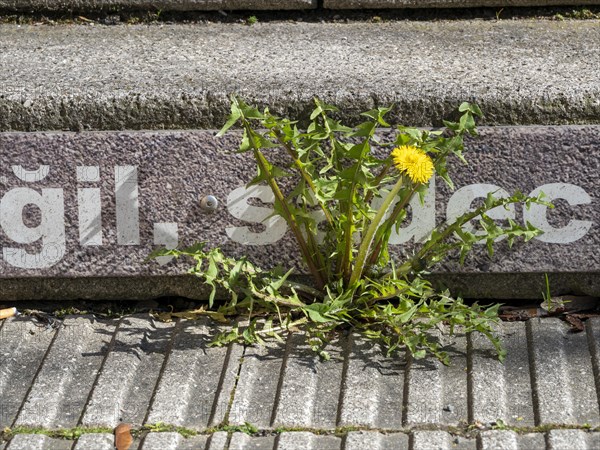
(154, 5)
(357, 4)
(112, 233)
(359, 399)
(180, 76)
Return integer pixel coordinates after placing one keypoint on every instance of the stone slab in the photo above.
(182, 443)
(258, 385)
(358, 440)
(196, 381)
(59, 392)
(96, 441)
(106, 199)
(128, 377)
(374, 4)
(564, 388)
(310, 388)
(242, 441)
(38, 442)
(22, 349)
(509, 440)
(501, 391)
(440, 440)
(436, 393)
(567, 439)
(193, 379)
(373, 387)
(305, 440)
(218, 441)
(153, 5)
(181, 76)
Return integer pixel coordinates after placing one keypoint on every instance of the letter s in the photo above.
(237, 204)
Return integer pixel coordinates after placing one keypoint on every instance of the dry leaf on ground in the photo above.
(123, 437)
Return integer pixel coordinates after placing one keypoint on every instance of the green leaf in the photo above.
(316, 312)
(233, 118)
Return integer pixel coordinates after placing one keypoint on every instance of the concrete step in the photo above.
(109, 198)
(98, 373)
(169, 76)
(118, 194)
(274, 5)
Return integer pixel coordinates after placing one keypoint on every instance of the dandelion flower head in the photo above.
(413, 162)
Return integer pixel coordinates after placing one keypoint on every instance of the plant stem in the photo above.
(368, 237)
(449, 229)
(388, 223)
(288, 216)
(305, 175)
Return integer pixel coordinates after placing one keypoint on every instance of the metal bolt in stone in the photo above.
(209, 203)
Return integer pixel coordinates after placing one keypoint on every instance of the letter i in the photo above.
(127, 203)
(89, 206)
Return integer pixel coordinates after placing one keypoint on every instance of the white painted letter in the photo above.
(576, 229)
(423, 219)
(51, 229)
(127, 204)
(237, 204)
(89, 207)
(461, 200)
(166, 234)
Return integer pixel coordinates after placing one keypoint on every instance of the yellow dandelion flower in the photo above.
(413, 162)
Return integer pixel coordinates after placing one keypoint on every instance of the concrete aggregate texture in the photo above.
(358, 399)
(216, 5)
(155, 5)
(169, 172)
(358, 4)
(181, 76)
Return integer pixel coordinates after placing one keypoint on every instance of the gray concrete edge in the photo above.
(497, 286)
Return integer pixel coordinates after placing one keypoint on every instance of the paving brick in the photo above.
(593, 440)
(592, 327)
(95, 441)
(509, 440)
(310, 388)
(162, 441)
(440, 440)
(196, 383)
(531, 441)
(257, 386)
(174, 441)
(567, 440)
(61, 388)
(155, 5)
(359, 440)
(360, 4)
(129, 374)
(305, 440)
(241, 441)
(194, 443)
(38, 442)
(564, 380)
(502, 390)
(437, 393)
(22, 348)
(373, 387)
(218, 441)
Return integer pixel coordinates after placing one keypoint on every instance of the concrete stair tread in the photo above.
(214, 5)
(180, 76)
